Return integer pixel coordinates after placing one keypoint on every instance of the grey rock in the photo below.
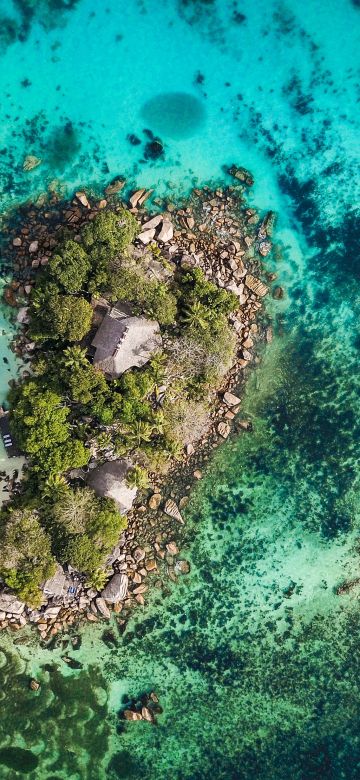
(116, 589)
(166, 232)
(102, 608)
(9, 603)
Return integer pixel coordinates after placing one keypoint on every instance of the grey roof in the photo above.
(123, 341)
(109, 481)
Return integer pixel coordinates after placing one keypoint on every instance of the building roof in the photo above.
(124, 341)
(109, 481)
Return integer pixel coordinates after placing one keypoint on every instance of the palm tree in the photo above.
(75, 357)
(137, 477)
(99, 579)
(140, 432)
(195, 316)
(55, 487)
(157, 365)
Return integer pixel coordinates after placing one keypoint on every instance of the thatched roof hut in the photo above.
(124, 341)
(109, 481)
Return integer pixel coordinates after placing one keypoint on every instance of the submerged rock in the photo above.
(115, 186)
(242, 174)
(31, 162)
(154, 149)
(182, 567)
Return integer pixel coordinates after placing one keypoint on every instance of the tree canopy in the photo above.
(25, 553)
(70, 268)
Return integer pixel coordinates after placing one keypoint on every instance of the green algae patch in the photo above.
(18, 759)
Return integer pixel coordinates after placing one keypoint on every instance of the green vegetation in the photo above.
(25, 553)
(85, 529)
(71, 268)
(58, 317)
(138, 477)
(68, 409)
(42, 429)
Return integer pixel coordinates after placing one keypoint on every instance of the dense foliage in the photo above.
(25, 553)
(85, 529)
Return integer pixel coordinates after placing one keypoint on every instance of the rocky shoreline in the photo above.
(213, 230)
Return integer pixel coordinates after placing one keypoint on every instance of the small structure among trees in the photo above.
(124, 341)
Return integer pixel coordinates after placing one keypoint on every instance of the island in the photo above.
(136, 329)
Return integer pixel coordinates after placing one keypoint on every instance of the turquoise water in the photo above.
(254, 657)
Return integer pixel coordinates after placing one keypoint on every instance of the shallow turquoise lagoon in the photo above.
(254, 656)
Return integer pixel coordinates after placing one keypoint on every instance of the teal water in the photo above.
(253, 655)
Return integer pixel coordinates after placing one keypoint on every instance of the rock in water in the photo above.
(130, 715)
(256, 286)
(223, 429)
(103, 609)
(83, 199)
(172, 510)
(231, 400)
(116, 589)
(135, 197)
(182, 567)
(166, 232)
(34, 685)
(147, 714)
(242, 174)
(31, 162)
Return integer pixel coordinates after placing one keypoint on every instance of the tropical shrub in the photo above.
(25, 553)
(70, 268)
(113, 231)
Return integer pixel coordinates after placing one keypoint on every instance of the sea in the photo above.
(254, 655)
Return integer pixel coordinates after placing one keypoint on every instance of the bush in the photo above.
(194, 287)
(70, 267)
(71, 317)
(83, 383)
(200, 357)
(41, 428)
(39, 419)
(25, 554)
(110, 230)
(137, 477)
(85, 528)
(55, 316)
(150, 297)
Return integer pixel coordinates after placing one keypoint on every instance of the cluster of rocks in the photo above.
(131, 566)
(146, 707)
(348, 587)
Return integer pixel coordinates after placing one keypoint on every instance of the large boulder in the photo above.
(102, 608)
(9, 603)
(166, 232)
(116, 589)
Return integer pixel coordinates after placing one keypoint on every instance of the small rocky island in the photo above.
(135, 329)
